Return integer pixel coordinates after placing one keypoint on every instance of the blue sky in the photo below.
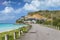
(11, 10)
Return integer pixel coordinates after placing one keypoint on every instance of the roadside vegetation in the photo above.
(11, 33)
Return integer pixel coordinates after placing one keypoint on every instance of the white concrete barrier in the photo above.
(19, 33)
(22, 32)
(14, 35)
(6, 37)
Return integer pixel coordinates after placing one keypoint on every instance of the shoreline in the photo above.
(7, 30)
(11, 29)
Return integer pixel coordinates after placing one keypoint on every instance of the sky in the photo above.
(11, 10)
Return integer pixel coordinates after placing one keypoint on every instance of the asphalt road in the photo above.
(40, 32)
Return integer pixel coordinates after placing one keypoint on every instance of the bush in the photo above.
(10, 37)
(47, 22)
(24, 29)
(40, 21)
(58, 24)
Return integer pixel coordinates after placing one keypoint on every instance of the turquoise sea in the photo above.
(8, 27)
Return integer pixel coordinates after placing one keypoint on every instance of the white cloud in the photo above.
(35, 3)
(33, 6)
(7, 10)
(11, 10)
(53, 3)
(8, 3)
(41, 4)
(30, 7)
(9, 13)
(5, 3)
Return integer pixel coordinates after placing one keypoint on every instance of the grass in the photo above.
(11, 33)
(54, 27)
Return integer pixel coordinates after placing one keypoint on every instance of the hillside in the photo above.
(53, 17)
(47, 13)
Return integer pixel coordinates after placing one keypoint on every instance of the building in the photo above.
(33, 18)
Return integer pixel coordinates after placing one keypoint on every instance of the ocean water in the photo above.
(8, 27)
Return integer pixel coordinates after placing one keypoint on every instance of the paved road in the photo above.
(39, 32)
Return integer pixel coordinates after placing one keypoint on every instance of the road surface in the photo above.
(40, 32)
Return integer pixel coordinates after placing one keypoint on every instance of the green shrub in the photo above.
(40, 21)
(2, 38)
(10, 37)
(47, 22)
(24, 29)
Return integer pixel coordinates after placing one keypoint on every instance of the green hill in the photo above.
(47, 13)
(54, 15)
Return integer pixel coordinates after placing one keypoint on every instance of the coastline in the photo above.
(11, 28)
(7, 30)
